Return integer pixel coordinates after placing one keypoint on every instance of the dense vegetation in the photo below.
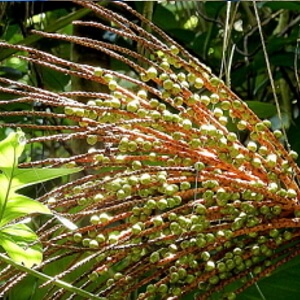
(183, 190)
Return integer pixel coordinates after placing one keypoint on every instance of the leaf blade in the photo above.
(26, 177)
(16, 241)
(19, 206)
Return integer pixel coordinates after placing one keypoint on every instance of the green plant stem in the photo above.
(62, 284)
(2, 209)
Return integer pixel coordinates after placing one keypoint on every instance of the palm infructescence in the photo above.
(175, 204)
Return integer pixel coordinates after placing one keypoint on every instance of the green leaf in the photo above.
(164, 18)
(19, 206)
(13, 205)
(289, 5)
(17, 241)
(21, 233)
(183, 35)
(261, 109)
(284, 281)
(53, 80)
(10, 149)
(26, 177)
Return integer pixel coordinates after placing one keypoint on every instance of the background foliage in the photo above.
(201, 27)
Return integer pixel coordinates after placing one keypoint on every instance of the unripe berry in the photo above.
(241, 125)
(215, 81)
(100, 238)
(142, 94)
(132, 146)
(198, 83)
(218, 112)
(151, 73)
(187, 124)
(277, 134)
(191, 78)
(93, 276)
(141, 112)
(176, 89)
(93, 244)
(225, 105)
(223, 120)
(205, 100)
(263, 150)
(276, 210)
(256, 162)
(232, 137)
(144, 77)
(260, 126)
(209, 266)
(214, 279)
(199, 166)
(94, 219)
(214, 98)
(133, 106)
(200, 209)
(230, 296)
(98, 72)
(115, 103)
(274, 233)
(77, 237)
(291, 193)
(153, 103)
(267, 123)
(287, 235)
(162, 204)
(92, 139)
(252, 146)
(147, 145)
(271, 160)
(108, 77)
(178, 100)
(254, 136)
(168, 84)
(165, 65)
(154, 257)
(79, 112)
(162, 289)
(205, 256)
(185, 185)
(121, 194)
(104, 217)
(157, 221)
(69, 110)
(293, 154)
(151, 288)
(193, 99)
(145, 178)
(112, 85)
(174, 50)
